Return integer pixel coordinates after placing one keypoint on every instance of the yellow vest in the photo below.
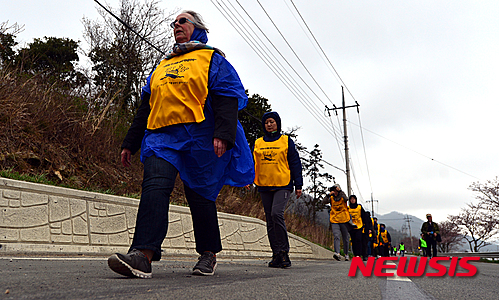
(339, 211)
(271, 162)
(356, 215)
(384, 237)
(179, 87)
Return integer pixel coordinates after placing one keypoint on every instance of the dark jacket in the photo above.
(387, 236)
(429, 228)
(366, 221)
(294, 161)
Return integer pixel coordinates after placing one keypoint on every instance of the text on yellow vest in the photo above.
(271, 162)
(339, 211)
(356, 215)
(179, 88)
(384, 236)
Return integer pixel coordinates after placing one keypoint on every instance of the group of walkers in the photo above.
(187, 125)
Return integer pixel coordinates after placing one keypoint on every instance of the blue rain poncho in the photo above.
(189, 147)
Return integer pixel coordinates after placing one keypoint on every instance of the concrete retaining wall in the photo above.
(43, 219)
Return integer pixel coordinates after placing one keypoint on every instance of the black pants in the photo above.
(431, 245)
(383, 250)
(152, 217)
(356, 236)
(274, 203)
(365, 245)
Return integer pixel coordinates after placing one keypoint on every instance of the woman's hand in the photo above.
(220, 146)
(126, 157)
(298, 193)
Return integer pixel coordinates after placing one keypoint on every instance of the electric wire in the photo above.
(310, 31)
(294, 52)
(270, 61)
(275, 48)
(130, 28)
(335, 135)
(237, 25)
(303, 150)
(365, 152)
(421, 154)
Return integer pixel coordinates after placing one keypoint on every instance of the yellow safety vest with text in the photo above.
(339, 211)
(179, 88)
(384, 237)
(271, 162)
(356, 215)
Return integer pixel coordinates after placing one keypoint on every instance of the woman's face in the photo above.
(270, 125)
(353, 200)
(184, 31)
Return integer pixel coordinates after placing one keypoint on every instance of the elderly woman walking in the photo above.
(187, 124)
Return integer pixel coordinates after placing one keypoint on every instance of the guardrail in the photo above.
(474, 254)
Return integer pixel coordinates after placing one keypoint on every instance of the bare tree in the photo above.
(451, 238)
(477, 225)
(122, 60)
(488, 193)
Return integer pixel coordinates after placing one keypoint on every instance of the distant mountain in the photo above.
(398, 221)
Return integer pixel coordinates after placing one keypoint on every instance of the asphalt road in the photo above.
(90, 278)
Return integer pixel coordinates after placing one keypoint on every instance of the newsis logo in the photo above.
(413, 269)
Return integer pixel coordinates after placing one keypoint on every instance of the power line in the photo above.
(282, 74)
(285, 79)
(310, 31)
(304, 150)
(421, 154)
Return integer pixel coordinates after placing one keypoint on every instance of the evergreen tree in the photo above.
(312, 166)
(51, 57)
(7, 42)
(251, 117)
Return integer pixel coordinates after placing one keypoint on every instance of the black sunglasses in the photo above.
(181, 21)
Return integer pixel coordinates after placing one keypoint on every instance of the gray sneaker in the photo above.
(133, 264)
(337, 256)
(206, 265)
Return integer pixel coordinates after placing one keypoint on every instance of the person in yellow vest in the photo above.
(402, 249)
(375, 237)
(277, 171)
(359, 218)
(367, 231)
(385, 241)
(339, 218)
(422, 245)
(187, 125)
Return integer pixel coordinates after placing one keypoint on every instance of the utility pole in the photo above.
(372, 204)
(345, 135)
(409, 220)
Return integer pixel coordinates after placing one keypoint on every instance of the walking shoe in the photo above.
(276, 261)
(133, 264)
(206, 265)
(285, 263)
(337, 256)
(347, 258)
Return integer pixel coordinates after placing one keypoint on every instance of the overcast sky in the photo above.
(425, 73)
